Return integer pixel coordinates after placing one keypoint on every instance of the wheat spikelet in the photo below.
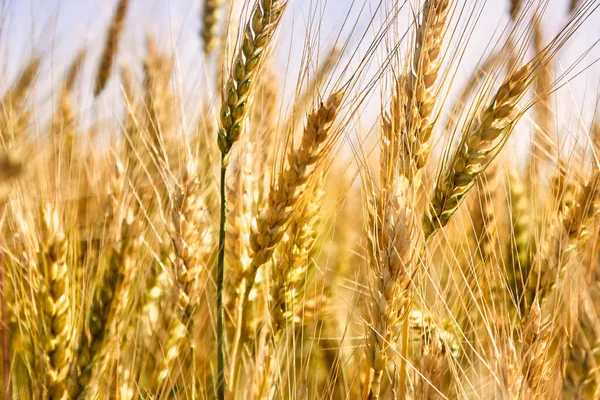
(544, 144)
(110, 47)
(521, 237)
(481, 140)
(255, 41)
(210, 13)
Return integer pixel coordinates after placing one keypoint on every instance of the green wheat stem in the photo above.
(220, 274)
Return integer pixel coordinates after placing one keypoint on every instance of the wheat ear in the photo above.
(288, 277)
(420, 86)
(210, 13)
(255, 41)
(482, 139)
(110, 47)
(55, 307)
(268, 228)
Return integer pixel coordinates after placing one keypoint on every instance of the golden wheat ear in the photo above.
(483, 139)
(268, 229)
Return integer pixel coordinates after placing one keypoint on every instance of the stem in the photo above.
(220, 274)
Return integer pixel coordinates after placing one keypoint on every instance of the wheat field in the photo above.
(370, 218)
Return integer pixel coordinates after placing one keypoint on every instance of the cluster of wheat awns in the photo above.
(267, 252)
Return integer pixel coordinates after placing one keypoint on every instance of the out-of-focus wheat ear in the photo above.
(192, 239)
(573, 5)
(545, 138)
(101, 313)
(15, 117)
(160, 101)
(18, 92)
(582, 378)
(10, 167)
(55, 306)
(74, 70)
(520, 236)
(256, 38)
(515, 9)
(241, 195)
(436, 346)
(483, 212)
(268, 229)
(482, 139)
(64, 130)
(595, 137)
(263, 120)
(111, 46)
(209, 19)
(536, 363)
(420, 87)
(579, 219)
(391, 141)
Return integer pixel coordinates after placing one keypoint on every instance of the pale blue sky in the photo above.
(58, 28)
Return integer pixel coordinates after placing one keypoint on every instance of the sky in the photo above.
(57, 29)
